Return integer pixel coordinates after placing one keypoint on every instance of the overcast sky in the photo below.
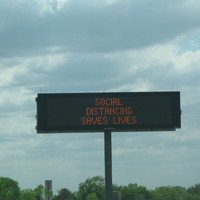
(66, 46)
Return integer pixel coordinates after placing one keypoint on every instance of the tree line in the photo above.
(94, 189)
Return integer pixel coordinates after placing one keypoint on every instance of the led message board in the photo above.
(94, 112)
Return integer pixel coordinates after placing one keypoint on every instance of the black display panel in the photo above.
(94, 112)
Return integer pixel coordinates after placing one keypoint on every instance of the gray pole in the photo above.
(108, 163)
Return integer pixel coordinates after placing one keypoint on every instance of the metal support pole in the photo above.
(108, 163)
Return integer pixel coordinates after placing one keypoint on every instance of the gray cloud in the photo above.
(86, 27)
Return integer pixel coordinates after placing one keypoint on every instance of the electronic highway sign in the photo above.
(119, 111)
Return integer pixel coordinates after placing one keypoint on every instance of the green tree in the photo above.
(48, 194)
(135, 192)
(92, 196)
(169, 193)
(27, 194)
(9, 189)
(39, 192)
(194, 189)
(189, 196)
(64, 194)
(128, 192)
(95, 184)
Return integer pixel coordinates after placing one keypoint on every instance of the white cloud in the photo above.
(50, 6)
(187, 62)
(47, 6)
(8, 75)
(123, 151)
(16, 96)
(17, 124)
(48, 62)
(26, 71)
(139, 84)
